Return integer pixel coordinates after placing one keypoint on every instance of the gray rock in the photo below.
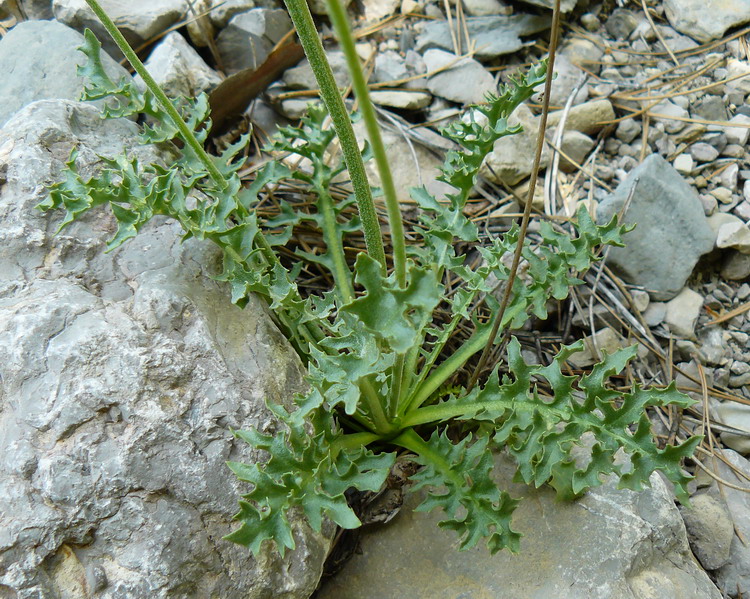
(512, 156)
(703, 152)
(250, 36)
(609, 544)
(389, 66)
(179, 69)
(706, 20)
(375, 10)
(621, 23)
(122, 374)
(737, 416)
(565, 5)
(672, 232)
(709, 528)
(38, 60)
(711, 108)
(683, 312)
(734, 577)
(738, 134)
(301, 76)
(627, 130)
(405, 100)
(577, 146)
(587, 118)
(736, 267)
(583, 53)
(137, 20)
(465, 82)
(37, 9)
(485, 8)
(493, 36)
(668, 109)
(222, 11)
(568, 78)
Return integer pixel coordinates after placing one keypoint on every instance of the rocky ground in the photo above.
(650, 122)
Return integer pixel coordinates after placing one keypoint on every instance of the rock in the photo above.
(621, 23)
(734, 235)
(37, 9)
(137, 20)
(568, 78)
(683, 312)
(655, 314)
(702, 152)
(565, 5)
(301, 76)
(375, 10)
(583, 53)
(38, 61)
(179, 69)
(587, 118)
(512, 156)
(627, 130)
(736, 267)
(735, 575)
(738, 71)
(389, 66)
(405, 100)
(711, 108)
(684, 164)
(122, 374)
(486, 8)
(250, 36)
(663, 113)
(609, 544)
(466, 82)
(409, 170)
(738, 135)
(604, 341)
(493, 36)
(577, 146)
(737, 416)
(709, 529)
(222, 11)
(318, 7)
(671, 233)
(293, 108)
(706, 20)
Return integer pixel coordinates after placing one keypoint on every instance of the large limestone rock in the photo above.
(38, 61)
(122, 374)
(671, 231)
(609, 544)
(706, 20)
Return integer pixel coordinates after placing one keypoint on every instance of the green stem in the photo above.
(341, 273)
(448, 368)
(341, 24)
(353, 441)
(136, 63)
(414, 443)
(375, 409)
(308, 35)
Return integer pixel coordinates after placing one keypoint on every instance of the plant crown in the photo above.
(378, 360)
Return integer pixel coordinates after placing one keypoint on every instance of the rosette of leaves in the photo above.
(379, 369)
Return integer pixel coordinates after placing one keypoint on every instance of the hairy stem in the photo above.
(341, 272)
(308, 35)
(341, 24)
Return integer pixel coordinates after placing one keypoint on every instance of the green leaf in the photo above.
(397, 316)
(458, 475)
(306, 471)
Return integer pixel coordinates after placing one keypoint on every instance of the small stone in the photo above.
(302, 77)
(666, 110)
(627, 130)
(710, 203)
(465, 82)
(606, 341)
(737, 416)
(706, 20)
(583, 53)
(728, 176)
(621, 23)
(222, 11)
(711, 108)
(734, 235)
(590, 21)
(486, 8)
(733, 151)
(710, 529)
(588, 118)
(722, 194)
(250, 36)
(577, 146)
(703, 152)
(682, 313)
(743, 292)
(405, 100)
(389, 66)
(684, 164)
(179, 69)
(641, 299)
(738, 135)
(293, 108)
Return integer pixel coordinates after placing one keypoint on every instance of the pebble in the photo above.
(621, 23)
(737, 416)
(406, 100)
(669, 109)
(577, 146)
(627, 130)
(710, 529)
(466, 82)
(738, 135)
(682, 313)
(722, 194)
(684, 164)
(703, 152)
